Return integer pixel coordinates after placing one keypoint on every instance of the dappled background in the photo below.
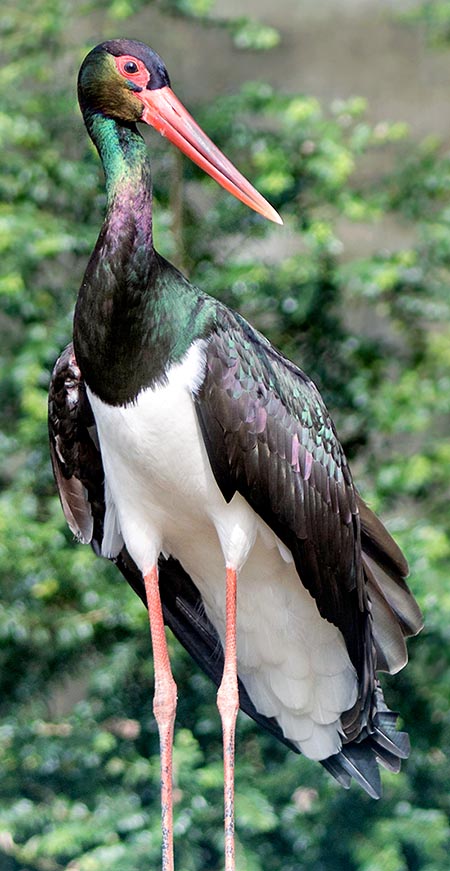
(338, 111)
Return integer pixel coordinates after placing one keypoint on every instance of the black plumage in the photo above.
(378, 576)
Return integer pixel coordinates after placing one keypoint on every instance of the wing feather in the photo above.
(269, 437)
(287, 479)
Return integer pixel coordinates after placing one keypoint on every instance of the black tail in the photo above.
(395, 616)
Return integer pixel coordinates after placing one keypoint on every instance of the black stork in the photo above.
(191, 452)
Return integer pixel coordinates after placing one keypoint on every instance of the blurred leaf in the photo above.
(250, 34)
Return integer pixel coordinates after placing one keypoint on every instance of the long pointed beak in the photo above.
(163, 110)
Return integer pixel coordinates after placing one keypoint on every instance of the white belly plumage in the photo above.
(161, 496)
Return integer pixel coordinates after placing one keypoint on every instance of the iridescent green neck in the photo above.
(127, 169)
(135, 314)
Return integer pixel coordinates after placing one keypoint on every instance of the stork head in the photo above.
(126, 80)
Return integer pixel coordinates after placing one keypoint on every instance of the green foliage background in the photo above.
(79, 769)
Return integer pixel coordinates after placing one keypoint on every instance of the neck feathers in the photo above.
(135, 314)
(116, 283)
(127, 172)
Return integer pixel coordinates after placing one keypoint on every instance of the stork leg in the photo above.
(164, 708)
(228, 705)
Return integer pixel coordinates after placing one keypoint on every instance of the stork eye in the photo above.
(133, 69)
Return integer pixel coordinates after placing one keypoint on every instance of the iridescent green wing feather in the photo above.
(269, 437)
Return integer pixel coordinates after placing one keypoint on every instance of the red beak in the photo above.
(163, 110)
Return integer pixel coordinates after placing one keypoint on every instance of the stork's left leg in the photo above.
(164, 708)
(228, 704)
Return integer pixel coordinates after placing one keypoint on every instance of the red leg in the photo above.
(228, 704)
(164, 707)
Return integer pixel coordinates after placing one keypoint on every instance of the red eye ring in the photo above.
(133, 69)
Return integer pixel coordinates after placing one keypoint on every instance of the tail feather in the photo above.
(387, 632)
(359, 765)
(387, 736)
(395, 612)
(334, 767)
(379, 544)
(395, 616)
(380, 744)
(397, 595)
(389, 761)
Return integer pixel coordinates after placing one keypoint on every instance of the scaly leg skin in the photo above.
(164, 708)
(228, 704)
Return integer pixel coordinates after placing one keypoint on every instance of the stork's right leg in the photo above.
(164, 708)
(228, 704)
